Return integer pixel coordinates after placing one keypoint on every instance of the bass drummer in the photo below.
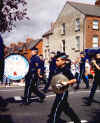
(61, 104)
(1, 59)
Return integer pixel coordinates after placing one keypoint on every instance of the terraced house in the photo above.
(76, 28)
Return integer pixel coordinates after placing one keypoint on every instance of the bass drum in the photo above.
(16, 67)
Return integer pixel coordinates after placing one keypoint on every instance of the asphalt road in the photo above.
(12, 110)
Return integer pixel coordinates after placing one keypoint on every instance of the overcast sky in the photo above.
(42, 13)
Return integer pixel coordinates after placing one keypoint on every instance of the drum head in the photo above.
(16, 67)
(56, 81)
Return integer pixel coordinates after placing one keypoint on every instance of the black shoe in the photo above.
(49, 115)
(42, 99)
(26, 103)
(62, 121)
(89, 102)
(77, 122)
(49, 121)
(59, 121)
(77, 87)
(87, 87)
(45, 91)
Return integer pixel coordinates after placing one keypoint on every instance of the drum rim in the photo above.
(16, 54)
(19, 55)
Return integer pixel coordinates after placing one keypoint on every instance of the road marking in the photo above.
(82, 121)
(17, 98)
(5, 90)
(72, 92)
(53, 95)
(47, 96)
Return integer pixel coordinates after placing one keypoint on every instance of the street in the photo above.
(13, 111)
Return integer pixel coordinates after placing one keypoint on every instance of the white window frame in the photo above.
(95, 24)
(77, 24)
(77, 42)
(95, 42)
(63, 26)
(63, 45)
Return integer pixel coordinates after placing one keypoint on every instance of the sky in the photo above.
(41, 13)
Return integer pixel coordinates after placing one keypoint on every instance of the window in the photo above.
(78, 42)
(63, 45)
(77, 24)
(95, 42)
(95, 24)
(63, 29)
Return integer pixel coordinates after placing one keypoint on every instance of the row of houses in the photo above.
(76, 28)
(25, 48)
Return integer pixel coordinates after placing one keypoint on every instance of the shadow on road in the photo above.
(3, 108)
(85, 99)
(5, 119)
(3, 105)
(96, 117)
(95, 113)
(20, 100)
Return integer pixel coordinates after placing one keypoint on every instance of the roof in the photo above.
(87, 9)
(47, 33)
(33, 43)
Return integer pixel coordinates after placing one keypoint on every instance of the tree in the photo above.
(11, 11)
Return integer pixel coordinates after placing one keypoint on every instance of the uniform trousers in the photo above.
(60, 104)
(48, 82)
(31, 86)
(96, 83)
(1, 69)
(82, 76)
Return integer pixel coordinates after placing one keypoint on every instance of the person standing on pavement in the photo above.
(82, 72)
(32, 77)
(96, 82)
(61, 104)
(87, 69)
(1, 59)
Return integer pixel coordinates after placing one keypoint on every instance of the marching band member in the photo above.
(61, 104)
(82, 72)
(32, 77)
(52, 67)
(96, 82)
(1, 59)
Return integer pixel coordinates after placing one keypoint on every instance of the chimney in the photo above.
(97, 3)
(52, 26)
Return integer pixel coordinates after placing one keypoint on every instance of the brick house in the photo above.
(46, 47)
(24, 48)
(34, 43)
(76, 28)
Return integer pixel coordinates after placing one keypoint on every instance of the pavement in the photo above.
(13, 84)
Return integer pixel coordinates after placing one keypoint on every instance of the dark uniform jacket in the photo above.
(34, 64)
(65, 71)
(97, 72)
(1, 58)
